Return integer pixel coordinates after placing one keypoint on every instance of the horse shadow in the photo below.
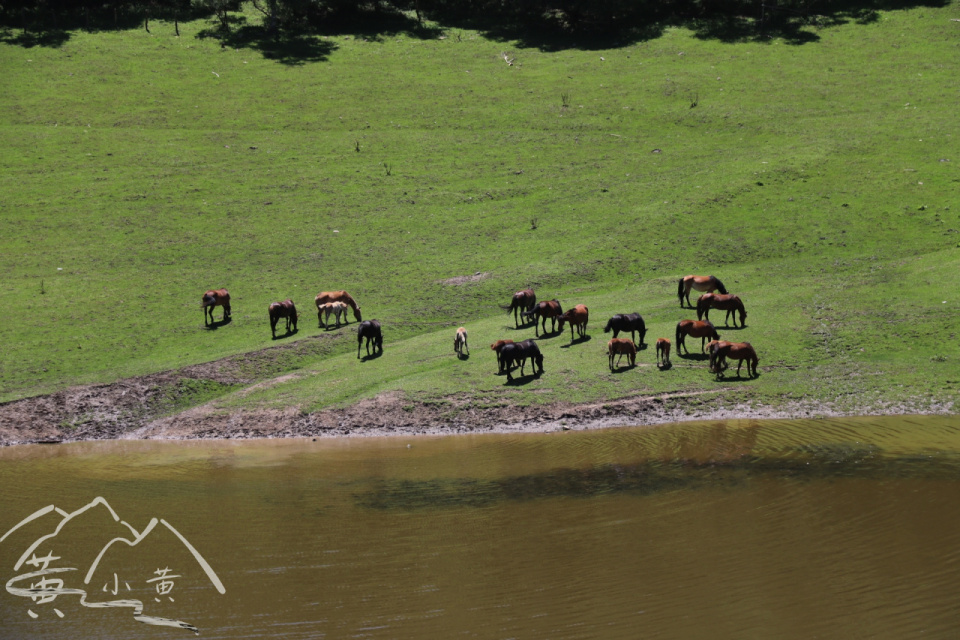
(373, 356)
(291, 332)
(579, 340)
(520, 381)
(525, 325)
(216, 324)
(665, 366)
(463, 356)
(733, 328)
(738, 378)
(618, 370)
(700, 357)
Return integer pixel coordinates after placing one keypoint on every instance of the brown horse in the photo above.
(621, 346)
(546, 309)
(279, 310)
(702, 329)
(700, 283)
(460, 342)
(337, 296)
(522, 301)
(577, 317)
(663, 352)
(215, 298)
(725, 302)
(739, 351)
(498, 347)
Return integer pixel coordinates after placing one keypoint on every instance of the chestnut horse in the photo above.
(739, 351)
(729, 303)
(631, 322)
(577, 317)
(621, 346)
(215, 298)
(663, 352)
(700, 283)
(370, 329)
(518, 352)
(702, 329)
(337, 296)
(522, 301)
(546, 309)
(279, 310)
(335, 309)
(460, 342)
(498, 347)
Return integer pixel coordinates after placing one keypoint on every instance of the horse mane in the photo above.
(723, 289)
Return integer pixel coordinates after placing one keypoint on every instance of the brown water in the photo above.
(746, 529)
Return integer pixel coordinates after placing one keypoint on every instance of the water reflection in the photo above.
(743, 528)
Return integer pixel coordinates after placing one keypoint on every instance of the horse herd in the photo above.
(512, 355)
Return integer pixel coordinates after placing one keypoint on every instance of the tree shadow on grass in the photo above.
(53, 38)
(286, 48)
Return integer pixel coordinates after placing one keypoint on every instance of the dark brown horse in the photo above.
(663, 352)
(498, 347)
(522, 301)
(577, 317)
(725, 302)
(621, 346)
(279, 310)
(371, 330)
(337, 296)
(702, 329)
(739, 351)
(700, 283)
(518, 352)
(215, 298)
(631, 322)
(546, 309)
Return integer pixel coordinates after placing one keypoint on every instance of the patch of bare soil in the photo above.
(477, 277)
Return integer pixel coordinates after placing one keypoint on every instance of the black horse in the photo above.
(517, 354)
(370, 329)
(631, 322)
(279, 310)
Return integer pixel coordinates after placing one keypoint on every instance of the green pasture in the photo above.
(820, 182)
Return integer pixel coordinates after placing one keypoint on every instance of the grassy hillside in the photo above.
(818, 181)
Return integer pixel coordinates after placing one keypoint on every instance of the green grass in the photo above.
(820, 182)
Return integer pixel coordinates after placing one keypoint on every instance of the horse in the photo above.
(338, 296)
(335, 309)
(631, 322)
(460, 342)
(663, 352)
(519, 352)
(546, 309)
(522, 301)
(370, 329)
(498, 347)
(622, 346)
(577, 317)
(729, 303)
(279, 310)
(739, 351)
(702, 329)
(700, 283)
(215, 298)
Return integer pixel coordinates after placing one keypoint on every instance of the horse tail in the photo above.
(609, 326)
(680, 290)
(678, 334)
(720, 287)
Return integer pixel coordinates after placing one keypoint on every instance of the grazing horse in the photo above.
(215, 298)
(338, 296)
(631, 322)
(663, 352)
(460, 342)
(518, 352)
(546, 309)
(279, 310)
(522, 301)
(725, 302)
(335, 309)
(577, 317)
(370, 329)
(700, 283)
(739, 351)
(702, 329)
(622, 346)
(498, 347)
